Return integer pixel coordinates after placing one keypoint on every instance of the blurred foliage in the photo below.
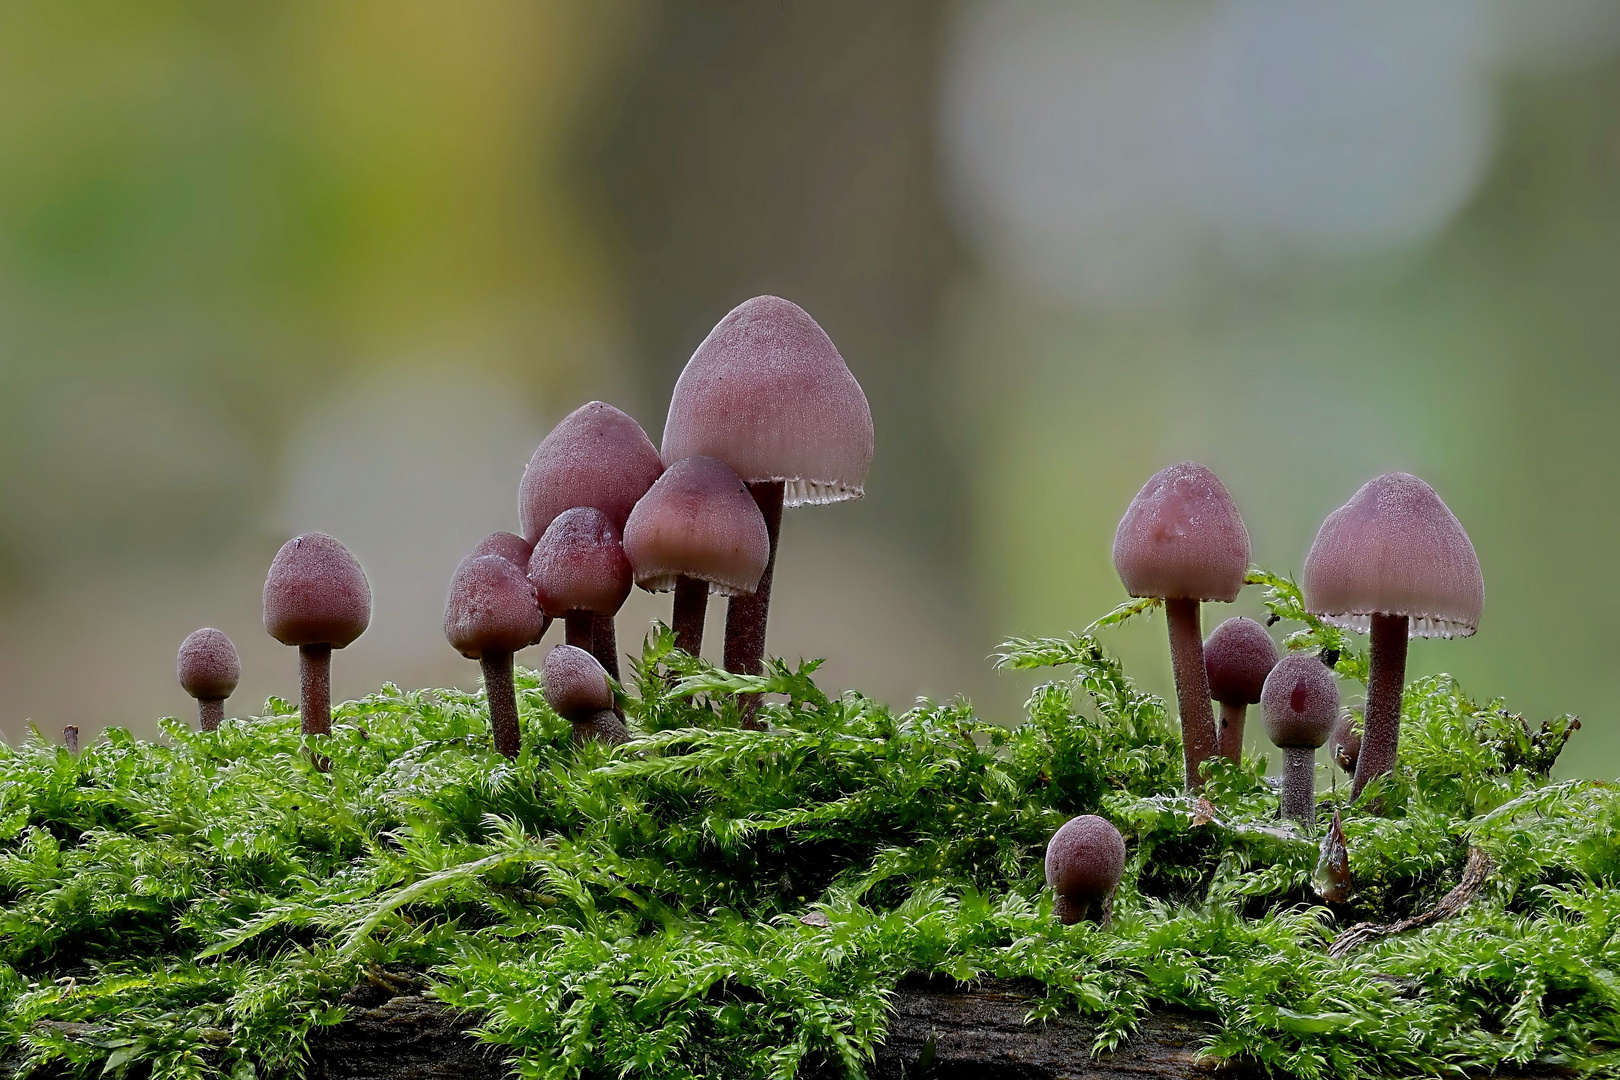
(197, 907)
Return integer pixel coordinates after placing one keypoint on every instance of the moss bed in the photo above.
(717, 902)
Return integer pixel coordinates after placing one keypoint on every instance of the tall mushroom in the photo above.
(1238, 656)
(1181, 540)
(697, 529)
(768, 394)
(576, 687)
(209, 669)
(582, 577)
(317, 598)
(491, 613)
(596, 456)
(1084, 861)
(1300, 704)
(1393, 562)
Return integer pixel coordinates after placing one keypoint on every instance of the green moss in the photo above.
(197, 906)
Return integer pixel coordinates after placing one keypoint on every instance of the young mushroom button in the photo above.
(317, 598)
(1396, 563)
(1181, 540)
(1084, 861)
(208, 668)
(1300, 705)
(1237, 656)
(491, 613)
(768, 394)
(582, 577)
(576, 687)
(697, 529)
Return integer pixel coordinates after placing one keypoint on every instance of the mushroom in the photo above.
(209, 670)
(1084, 861)
(1237, 658)
(515, 550)
(1181, 540)
(1345, 742)
(491, 613)
(577, 689)
(1300, 704)
(768, 394)
(1393, 562)
(697, 529)
(582, 577)
(317, 598)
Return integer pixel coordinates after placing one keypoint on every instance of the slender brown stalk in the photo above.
(70, 738)
(1386, 682)
(315, 688)
(1299, 785)
(746, 615)
(1230, 740)
(503, 715)
(691, 604)
(579, 630)
(1198, 738)
(210, 712)
(605, 644)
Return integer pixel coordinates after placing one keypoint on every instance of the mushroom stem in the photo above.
(1198, 738)
(503, 715)
(691, 604)
(1230, 739)
(315, 688)
(1068, 910)
(1386, 681)
(605, 644)
(70, 738)
(746, 615)
(1299, 785)
(604, 726)
(210, 711)
(579, 630)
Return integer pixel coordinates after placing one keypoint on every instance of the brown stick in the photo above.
(579, 630)
(210, 712)
(605, 644)
(70, 738)
(746, 615)
(1299, 785)
(1386, 682)
(315, 688)
(1475, 873)
(1198, 739)
(691, 605)
(1230, 740)
(503, 715)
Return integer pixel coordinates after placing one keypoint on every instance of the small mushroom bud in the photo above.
(1182, 540)
(209, 670)
(1345, 745)
(317, 598)
(1084, 861)
(582, 577)
(697, 530)
(577, 689)
(1238, 656)
(1300, 704)
(491, 613)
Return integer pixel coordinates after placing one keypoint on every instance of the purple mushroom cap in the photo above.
(316, 593)
(598, 457)
(698, 521)
(492, 607)
(1182, 538)
(579, 565)
(575, 684)
(1238, 656)
(1085, 858)
(1300, 702)
(208, 666)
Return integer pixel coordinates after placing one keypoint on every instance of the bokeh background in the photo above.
(272, 268)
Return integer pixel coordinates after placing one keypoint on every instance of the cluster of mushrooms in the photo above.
(1393, 563)
(766, 414)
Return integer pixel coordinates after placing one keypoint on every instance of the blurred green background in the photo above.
(271, 268)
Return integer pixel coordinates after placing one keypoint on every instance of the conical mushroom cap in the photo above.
(1395, 549)
(491, 608)
(579, 565)
(597, 456)
(1085, 858)
(316, 593)
(698, 521)
(208, 665)
(1238, 656)
(1182, 538)
(768, 394)
(1300, 702)
(509, 546)
(575, 684)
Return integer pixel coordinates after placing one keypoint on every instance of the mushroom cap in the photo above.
(698, 521)
(575, 684)
(1395, 549)
(1085, 858)
(316, 593)
(1300, 702)
(1345, 743)
(768, 394)
(579, 565)
(1182, 539)
(1238, 655)
(491, 608)
(509, 546)
(208, 666)
(596, 456)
